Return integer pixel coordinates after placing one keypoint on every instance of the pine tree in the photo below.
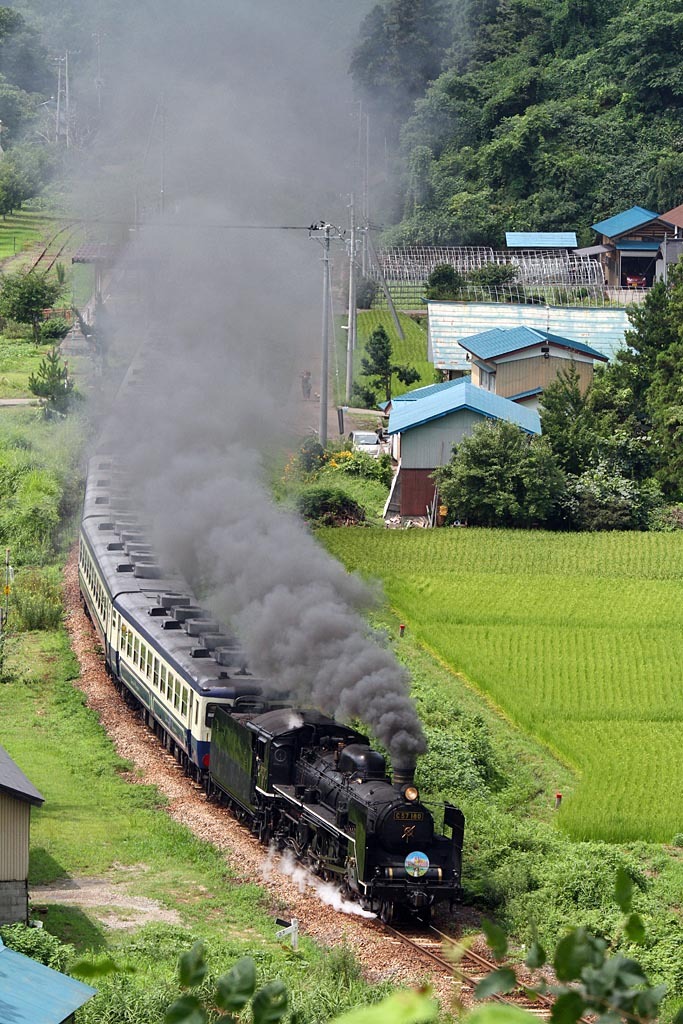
(52, 382)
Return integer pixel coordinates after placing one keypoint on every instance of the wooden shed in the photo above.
(17, 796)
(427, 429)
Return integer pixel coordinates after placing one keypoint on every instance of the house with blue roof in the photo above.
(31, 993)
(630, 247)
(427, 428)
(518, 363)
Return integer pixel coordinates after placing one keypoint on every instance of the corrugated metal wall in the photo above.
(429, 445)
(518, 375)
(14, 838)
(600, 327)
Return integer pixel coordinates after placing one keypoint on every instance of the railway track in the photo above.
(48, 257)
(467, 966)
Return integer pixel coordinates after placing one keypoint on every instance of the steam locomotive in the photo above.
(299, 779)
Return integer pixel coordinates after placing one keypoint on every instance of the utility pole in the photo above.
(66, 98)
(322, 432)
(351, 329)
(99, 82)
(162, 183)
(58, 112)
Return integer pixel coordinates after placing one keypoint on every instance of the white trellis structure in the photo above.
(553, 276)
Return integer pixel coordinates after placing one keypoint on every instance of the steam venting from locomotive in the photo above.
(258, 132)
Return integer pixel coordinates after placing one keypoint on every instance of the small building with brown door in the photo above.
(17, 796)
(427, 429)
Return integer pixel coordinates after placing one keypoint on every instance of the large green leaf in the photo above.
(623, 890)
(270, 1003)
(409, 1007)
(235, 989)
(502, 980)
(496, 938)
(567, 1008)
(193, 966)
(186, 1010)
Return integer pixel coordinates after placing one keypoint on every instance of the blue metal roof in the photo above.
(31, 993)
(429, 389)
(540, 239)
(408, 415)
(501, 341)
(526, 394)
(626, 221)
(644, 246)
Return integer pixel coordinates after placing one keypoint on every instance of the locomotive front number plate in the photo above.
(408, 816)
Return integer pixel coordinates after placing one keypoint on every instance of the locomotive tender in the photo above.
(299, 779)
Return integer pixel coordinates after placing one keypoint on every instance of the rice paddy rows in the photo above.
(578, 638)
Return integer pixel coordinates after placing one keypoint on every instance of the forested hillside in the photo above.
(523, 114)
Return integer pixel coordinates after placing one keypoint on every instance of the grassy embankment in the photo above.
(96, 822)
(577, 639)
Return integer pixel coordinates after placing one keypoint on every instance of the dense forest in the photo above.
(524, 115)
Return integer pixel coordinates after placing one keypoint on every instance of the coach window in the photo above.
(143, 656)
(162, 677)
(155, 676)
(196, 713)
(129, 644)
(170, 686)
(149, 663)
(136, 650)
(176, 695)
(183, 703)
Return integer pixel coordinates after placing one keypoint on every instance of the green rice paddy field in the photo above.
(578, 638)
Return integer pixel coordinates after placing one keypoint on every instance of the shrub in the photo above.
(36, 600)
(493, 275)
(329, 506)
(311, 455)
(54, 329)
(364, 465)
(39, 945)
(602, 500)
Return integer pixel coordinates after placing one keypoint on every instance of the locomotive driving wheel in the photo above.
(386, 912)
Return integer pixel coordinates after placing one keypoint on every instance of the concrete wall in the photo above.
(13, 902)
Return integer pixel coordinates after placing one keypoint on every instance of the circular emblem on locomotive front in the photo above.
(417, 864)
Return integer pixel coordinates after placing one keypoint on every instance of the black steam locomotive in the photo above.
(308, 784)
(302, 781)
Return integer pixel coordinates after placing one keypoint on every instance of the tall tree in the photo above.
(24, 297)
(377, 364)
(53, 383)
(568, 423)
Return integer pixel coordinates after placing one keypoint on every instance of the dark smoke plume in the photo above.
(234, 316)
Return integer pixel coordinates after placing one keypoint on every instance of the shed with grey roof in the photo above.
(17, 796)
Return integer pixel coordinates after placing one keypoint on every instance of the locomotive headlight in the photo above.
(411, 793)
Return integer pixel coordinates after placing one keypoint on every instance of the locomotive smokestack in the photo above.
(404, 776)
